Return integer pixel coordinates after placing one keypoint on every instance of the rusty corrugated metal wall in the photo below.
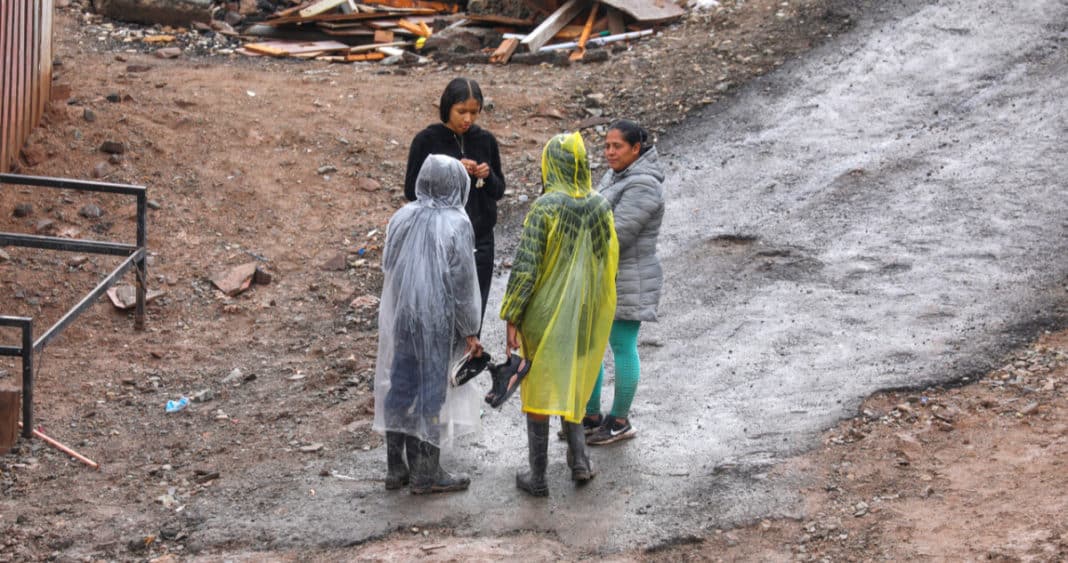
(25, 72)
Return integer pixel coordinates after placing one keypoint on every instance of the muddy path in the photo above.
(887, 212)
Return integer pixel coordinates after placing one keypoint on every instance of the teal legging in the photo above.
(624, 343)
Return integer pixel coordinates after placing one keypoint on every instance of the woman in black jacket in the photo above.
(475, 148)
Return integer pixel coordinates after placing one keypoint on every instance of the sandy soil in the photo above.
(297, 166)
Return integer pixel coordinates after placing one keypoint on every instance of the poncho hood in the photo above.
(442, 182)
(565, 167)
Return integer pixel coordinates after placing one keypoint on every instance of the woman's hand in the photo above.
(480, 171)
(474, 347)
(513, 339)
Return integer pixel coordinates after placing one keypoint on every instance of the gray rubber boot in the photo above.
(577, 459)
(431, 478)
(533, 481)
(397, 474)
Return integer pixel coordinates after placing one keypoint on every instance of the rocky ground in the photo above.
(297, 166)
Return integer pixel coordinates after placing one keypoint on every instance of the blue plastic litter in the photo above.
(175, 406)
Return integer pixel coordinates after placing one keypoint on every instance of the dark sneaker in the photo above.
(612, 431)
(589, 425)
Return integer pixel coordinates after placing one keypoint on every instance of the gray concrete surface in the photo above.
(887, 212)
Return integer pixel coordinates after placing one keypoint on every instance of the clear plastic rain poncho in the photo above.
(562, 291)
(430, 303)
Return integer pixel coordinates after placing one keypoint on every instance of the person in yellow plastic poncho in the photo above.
(559, 304)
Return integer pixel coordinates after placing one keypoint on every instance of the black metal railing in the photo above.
(135, 258)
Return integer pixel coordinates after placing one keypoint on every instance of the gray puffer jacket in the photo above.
(637, 199)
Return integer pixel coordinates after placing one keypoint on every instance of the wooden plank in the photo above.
(648, 11)
(350, 17)
(504, 51)
(375, 46)
(405, 24)
(357, 57)
(615, 21)
(442, 7)
(293, 48)
(47, 8)
(338, 25)
(383, 36)
(3, 86)
(554, 23)
(349, 32)
(320, 7)
(580, 51)
(290, 11)
(9, 418)
(23, 72)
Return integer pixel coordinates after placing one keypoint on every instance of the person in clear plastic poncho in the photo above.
(560, 302)
(429, 316)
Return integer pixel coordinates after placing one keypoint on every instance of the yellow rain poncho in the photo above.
(562, 291)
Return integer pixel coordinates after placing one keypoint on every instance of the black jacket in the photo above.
(478, 145)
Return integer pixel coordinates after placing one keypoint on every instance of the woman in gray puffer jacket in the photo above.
(633, 187)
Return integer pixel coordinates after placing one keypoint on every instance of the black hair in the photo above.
(632, 133)
(458, 91)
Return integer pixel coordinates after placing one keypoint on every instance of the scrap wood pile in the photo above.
(412, 30)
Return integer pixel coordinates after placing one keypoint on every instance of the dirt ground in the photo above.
(297, 166)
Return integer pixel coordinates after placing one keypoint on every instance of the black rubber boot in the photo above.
(577, 460)
(415, 460)
(533, 481)
(397, 474)
(430, 477)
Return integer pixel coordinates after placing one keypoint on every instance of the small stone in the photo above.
(326, 169)
(139, 545)
(234, 376)
(23, 210)
(1030, 409)
(595, 100)
(368, 185)
(115, 159)
(153, 204)
(311, 448)
(205, 475)
(908, 446)
(169, 531)
(113, 147)
(4, 256)
(336, 264)
(364, 302)
(45, 226)
(203, 396)
(32, 155)
(100, 170)
(860, 509)
(77, 260)
(947, 414)
(114, 97)
(88, 115)
(169, 53)
(91, 211)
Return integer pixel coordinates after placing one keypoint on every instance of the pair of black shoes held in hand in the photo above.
(506, 375)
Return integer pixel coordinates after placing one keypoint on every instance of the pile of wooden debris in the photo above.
(411, 30)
